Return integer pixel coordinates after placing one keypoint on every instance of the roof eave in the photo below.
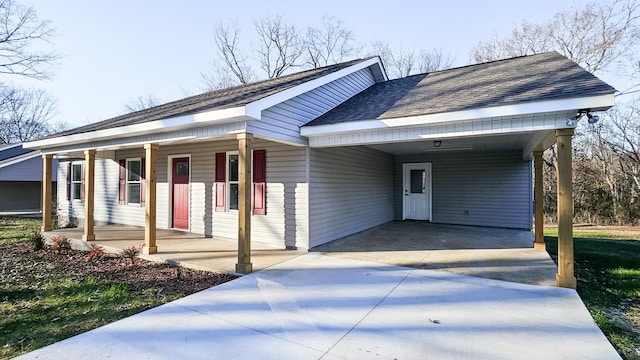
(593, 103)
(220, 116)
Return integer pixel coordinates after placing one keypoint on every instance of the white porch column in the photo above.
(151, 155)
(89, 187)
(538, 192)
(244, 265)
(47, 192)
(565, 276)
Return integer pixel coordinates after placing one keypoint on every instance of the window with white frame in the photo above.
(232, 180)
(76, 181)
(134, 171)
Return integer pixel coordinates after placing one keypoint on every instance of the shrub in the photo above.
(131, 253)
(95, 253)
(36, 240)
(60, 242)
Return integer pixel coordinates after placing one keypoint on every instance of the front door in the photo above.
(417, 191)
(180, 192)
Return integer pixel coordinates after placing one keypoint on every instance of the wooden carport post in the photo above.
(47, 190)
(539, 200)
(244, 265)
(565, 276)
(89, 184)
(150, 178)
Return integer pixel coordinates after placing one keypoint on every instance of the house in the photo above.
(311, 157)
(21, 179)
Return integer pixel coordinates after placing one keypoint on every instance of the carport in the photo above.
(500, 254)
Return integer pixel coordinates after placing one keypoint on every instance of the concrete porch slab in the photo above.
(180, 247)
(500, 254)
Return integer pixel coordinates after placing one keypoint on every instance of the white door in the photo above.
(417, 191)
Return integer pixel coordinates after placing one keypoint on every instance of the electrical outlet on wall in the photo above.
(466, 212)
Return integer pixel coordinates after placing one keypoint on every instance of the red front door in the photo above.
(180, 180)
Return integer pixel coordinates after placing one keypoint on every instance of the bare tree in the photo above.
(142, 102)
(434, 60)
(24, 115)
(227, 42)
(279, 47)
(401, 62)
(328, 44)
(219, 77)
(20, 29)
(594, 36)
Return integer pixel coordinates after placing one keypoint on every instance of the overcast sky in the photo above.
(116, 50)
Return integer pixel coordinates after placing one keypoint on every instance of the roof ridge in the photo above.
(491, 62)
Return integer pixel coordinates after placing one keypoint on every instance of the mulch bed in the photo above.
(20, 263)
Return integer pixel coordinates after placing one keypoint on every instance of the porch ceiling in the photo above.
(526, 142)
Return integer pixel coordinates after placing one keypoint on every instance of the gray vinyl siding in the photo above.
(287, 194)
(20, 195)
(475, 188)
(27, 170)
(351, 190)
(283, 121)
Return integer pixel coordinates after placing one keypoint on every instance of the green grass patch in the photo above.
(608, 274)
(588, 233)
(14, 230)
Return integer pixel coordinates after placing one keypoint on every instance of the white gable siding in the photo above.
(475, 188)
(351, 190)
(283, 121)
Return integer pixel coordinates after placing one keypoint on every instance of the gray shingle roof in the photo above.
(546, 76)
(213, 100)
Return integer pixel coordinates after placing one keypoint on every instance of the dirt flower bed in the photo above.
(47, 296)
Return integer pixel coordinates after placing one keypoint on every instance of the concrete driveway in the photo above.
(320, 307)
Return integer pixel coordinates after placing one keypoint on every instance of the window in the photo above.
(131, 184)
(76, 181)
(227, 186)
(134, 170)
(233, 181)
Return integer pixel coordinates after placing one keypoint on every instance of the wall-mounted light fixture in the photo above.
(592, 119)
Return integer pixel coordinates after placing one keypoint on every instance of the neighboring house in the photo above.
(20, 179)
(336, 150)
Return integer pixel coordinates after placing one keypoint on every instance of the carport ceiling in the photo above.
(478, 143)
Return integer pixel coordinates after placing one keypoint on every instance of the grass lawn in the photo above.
(608, 273)
(47, 296)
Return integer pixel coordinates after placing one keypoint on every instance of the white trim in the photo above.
(19, 158)
(600, 102)
(9, 146)
(163, 125)
(255, 108)
(170, 190)
(540, 141)
(427, 167)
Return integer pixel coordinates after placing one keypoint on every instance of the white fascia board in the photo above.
(21, 158)
(255, 108)
(11, 146)
(163, 125)
(600, 102)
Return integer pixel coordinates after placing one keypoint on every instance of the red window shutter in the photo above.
(69, 181)
(143, 193)
(221, 178)
(82, 184)
(122, 182)
(259, 182)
